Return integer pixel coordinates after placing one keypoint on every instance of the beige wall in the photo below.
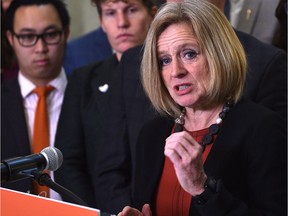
(84, 17)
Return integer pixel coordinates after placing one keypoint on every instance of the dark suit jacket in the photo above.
(266, 84)
(14, 132)
(248, 156)
(87, 49)
(81, 126)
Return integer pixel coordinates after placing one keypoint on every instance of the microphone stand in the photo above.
(44, 179)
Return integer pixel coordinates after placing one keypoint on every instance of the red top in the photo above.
(171, 199)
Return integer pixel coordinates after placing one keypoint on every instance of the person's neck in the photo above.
(197, 119)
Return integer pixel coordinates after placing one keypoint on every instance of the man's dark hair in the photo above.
(147, 3)
(59, 5)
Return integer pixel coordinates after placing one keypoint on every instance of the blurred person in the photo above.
(209, 146)
(37, 30)
(90, 47)
(255, 17)
(9, 66)
(5, 4)
(280, 38)
(130, 109)
(83, 117)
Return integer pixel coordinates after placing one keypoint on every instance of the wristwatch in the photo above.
(209, 191)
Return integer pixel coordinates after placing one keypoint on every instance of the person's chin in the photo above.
(127, 45)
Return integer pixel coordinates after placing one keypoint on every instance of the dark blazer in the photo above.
(130, 109)
(81, 126)
(91, 47)
(248, 157)
(14, 133)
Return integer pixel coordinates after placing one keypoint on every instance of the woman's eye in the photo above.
(164, 61)
(191, 54)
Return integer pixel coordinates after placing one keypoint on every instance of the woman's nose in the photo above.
(177, 68)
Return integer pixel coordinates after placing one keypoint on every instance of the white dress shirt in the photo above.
(54, 102)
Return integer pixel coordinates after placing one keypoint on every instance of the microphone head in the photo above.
(54, 158)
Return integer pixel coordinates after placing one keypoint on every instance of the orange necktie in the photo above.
(41, 130)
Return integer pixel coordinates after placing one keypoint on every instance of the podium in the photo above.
(14, 203)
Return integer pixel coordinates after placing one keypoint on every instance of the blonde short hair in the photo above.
(218, 43)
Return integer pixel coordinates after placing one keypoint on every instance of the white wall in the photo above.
(84, 17)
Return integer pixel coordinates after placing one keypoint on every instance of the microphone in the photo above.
(31, 166)
(17, 168)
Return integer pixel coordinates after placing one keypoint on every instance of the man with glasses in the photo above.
(37, 30)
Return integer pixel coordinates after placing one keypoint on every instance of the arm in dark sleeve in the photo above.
(264, 170)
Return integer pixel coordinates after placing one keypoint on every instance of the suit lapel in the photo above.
(101, 84)
(16, 117)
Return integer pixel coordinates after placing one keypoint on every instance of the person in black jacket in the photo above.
(84, 110)
(213, 159)
(130, 109)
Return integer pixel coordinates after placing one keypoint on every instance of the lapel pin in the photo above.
(104, 88)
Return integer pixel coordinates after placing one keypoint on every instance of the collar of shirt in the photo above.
(26, 86)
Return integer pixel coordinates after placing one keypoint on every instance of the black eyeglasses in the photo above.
(29, 40)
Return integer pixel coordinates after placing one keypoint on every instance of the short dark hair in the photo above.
(59, 5)
(149, 4)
